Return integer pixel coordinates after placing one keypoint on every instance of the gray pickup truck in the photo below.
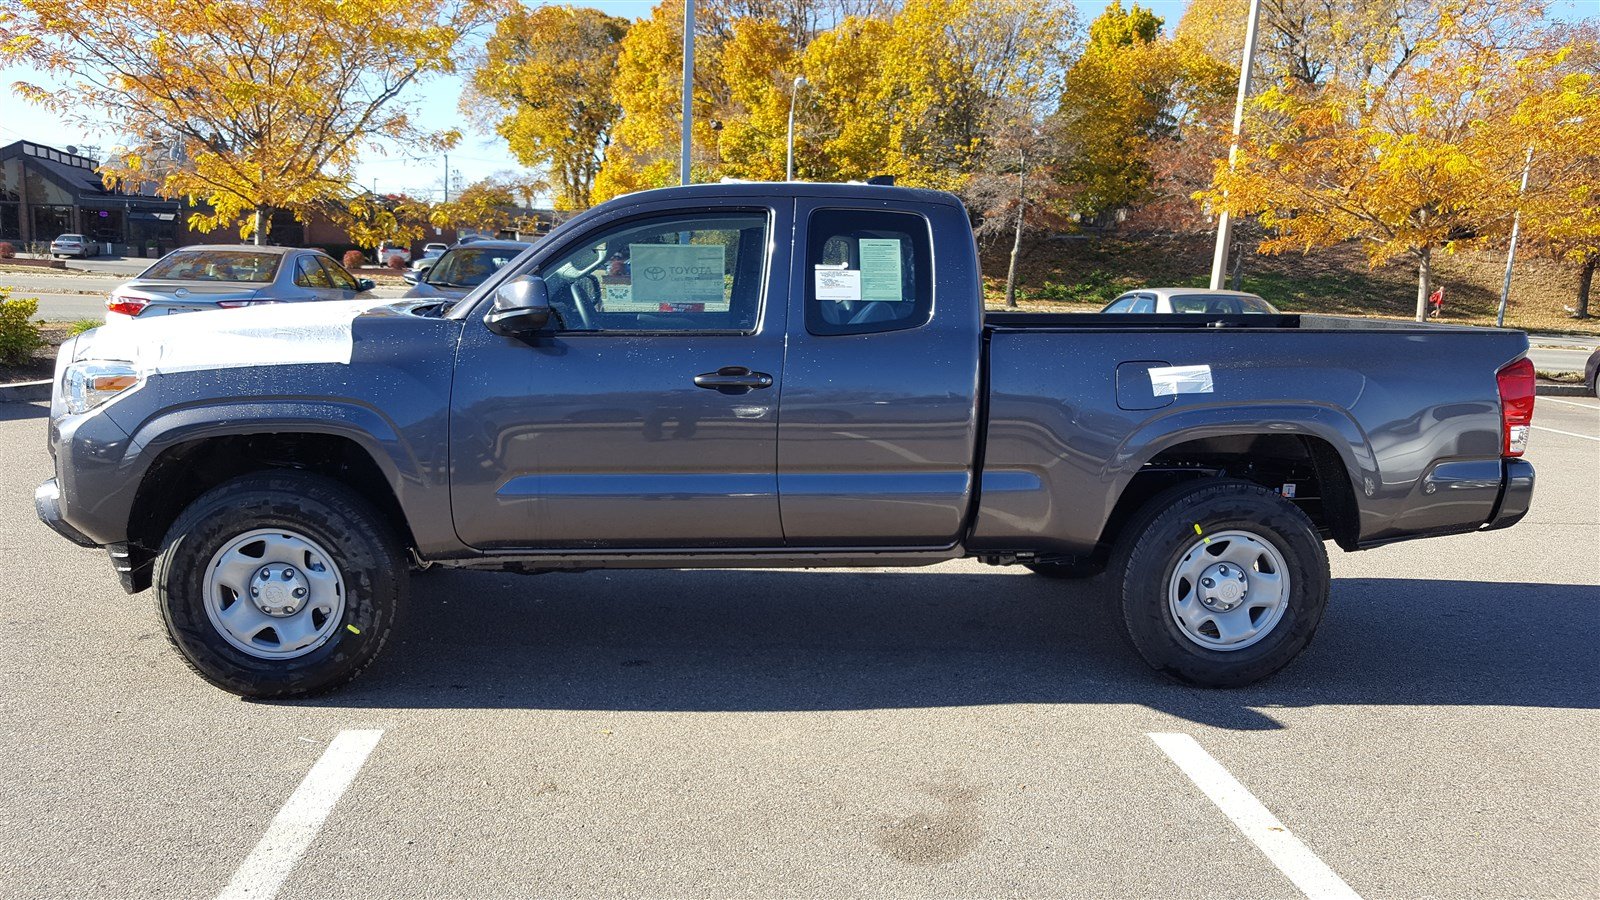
(765, 375)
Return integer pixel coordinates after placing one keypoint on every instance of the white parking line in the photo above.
(1293, 858)
(1566, 402)
(1587, 437)
(291, 831)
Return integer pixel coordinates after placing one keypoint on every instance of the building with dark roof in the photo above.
(45, 192)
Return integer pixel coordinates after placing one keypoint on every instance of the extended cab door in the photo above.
(879, 433)
(647, 415)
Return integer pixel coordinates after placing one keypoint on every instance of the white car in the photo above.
(387, 251)
(1189, 300)
(73, 245)
(430, 255)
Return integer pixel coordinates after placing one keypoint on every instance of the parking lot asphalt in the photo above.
(951, 731)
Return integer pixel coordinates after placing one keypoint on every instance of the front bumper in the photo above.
(1515, 497)
(47, 503)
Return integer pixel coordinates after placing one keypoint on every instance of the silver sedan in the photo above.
(207, 277)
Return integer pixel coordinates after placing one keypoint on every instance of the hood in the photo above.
(284, 334)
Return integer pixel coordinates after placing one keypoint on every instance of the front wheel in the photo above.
(1223, 583)
(279, 584)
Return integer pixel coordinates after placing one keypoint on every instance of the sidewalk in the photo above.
(1564, 341)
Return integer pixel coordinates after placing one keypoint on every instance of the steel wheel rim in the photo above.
(1229, 590)
(274, 593)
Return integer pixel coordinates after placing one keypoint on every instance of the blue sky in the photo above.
(479, 154)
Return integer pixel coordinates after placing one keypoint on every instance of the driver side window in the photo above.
(698, 273)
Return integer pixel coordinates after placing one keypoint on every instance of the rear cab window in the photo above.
(867, 271)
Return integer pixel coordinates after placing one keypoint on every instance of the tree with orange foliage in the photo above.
(248, 105)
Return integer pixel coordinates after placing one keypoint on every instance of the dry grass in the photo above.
(1082, 274)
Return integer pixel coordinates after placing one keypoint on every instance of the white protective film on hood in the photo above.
(281, 334)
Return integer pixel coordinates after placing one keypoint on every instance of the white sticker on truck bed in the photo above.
(1170, 380)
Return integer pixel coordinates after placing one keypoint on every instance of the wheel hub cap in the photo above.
(274, 593)
(1228, 590)
(279, 591)
(1223, 587)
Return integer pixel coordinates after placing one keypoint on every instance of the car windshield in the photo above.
(70, 237)
(1223, 305)
(466, 267)
(216, 265)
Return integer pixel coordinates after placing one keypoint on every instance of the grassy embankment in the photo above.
(1079, 274)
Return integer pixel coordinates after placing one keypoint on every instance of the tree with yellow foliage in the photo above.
(246, 105)
(545, 85)
(1394, 149)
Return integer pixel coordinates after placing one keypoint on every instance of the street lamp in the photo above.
(799, 82)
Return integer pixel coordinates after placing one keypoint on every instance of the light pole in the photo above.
(1219, 260)
(788, 169)
(688, 87)
(1511, 255)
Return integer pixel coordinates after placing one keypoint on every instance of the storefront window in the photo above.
(49, 221)
(10, 222)
(103, 226)
(11, 180)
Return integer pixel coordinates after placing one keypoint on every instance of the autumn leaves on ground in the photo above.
(1384, 146)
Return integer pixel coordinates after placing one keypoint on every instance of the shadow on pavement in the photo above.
(781, 641)
(17, 412)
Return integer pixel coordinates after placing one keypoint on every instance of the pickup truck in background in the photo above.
(765, 375)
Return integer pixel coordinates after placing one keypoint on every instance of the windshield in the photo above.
(1228, 305)
(70, 237)
(216, 265)
(468, 267)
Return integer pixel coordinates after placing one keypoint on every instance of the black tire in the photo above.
(1156, 540)
(1065, 571)
(363, 548)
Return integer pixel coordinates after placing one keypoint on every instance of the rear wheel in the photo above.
(279, 584)
(1222, 583)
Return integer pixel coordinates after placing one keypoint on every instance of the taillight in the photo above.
(126, 306)
(236, 304)
(1516, 405)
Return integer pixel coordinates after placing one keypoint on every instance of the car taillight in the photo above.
(1516, 405)
(126, 306)
(235, 304)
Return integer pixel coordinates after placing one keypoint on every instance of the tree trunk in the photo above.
(1424, 281)
(1585, 281)
(1011, 270)
(263, 222)
(1016, 241)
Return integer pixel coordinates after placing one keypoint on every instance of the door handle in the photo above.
(733, 380)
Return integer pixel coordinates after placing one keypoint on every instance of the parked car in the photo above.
(227, 276)
(73, 245)
(462, 268)
(387, 251)
(766, 375)
(1591, 373)
(434, 250)
(1189, 300)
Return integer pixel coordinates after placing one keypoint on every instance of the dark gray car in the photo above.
(462, 268)
(208, 277)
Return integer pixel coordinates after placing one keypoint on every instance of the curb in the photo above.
(1545, 389)
(25, 391)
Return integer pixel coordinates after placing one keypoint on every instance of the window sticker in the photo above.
(880, 270)
(838, 284)
(668, 275)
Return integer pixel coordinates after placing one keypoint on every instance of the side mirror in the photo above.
(365, 284)
(408, 278)
(521, 308)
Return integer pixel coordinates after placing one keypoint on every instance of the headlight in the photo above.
(89, 384)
